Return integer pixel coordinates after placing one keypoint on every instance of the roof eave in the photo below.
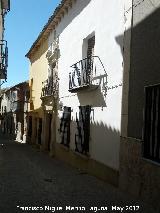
(53, 21)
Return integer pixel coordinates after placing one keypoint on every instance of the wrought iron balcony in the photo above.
(50, 88)
(3, 59)
(86, 74)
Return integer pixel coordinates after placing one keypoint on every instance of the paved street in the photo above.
(30, 178)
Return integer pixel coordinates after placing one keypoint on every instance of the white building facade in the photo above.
(90, 72)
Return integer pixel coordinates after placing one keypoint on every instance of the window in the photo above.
(83, 130)
(91, 44)
(152, 123)
(65, 126)
(27, 96)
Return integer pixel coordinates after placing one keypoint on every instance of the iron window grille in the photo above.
(151, 136)
(65, 126)
(50, 87)
(83, 130)
(85, 73)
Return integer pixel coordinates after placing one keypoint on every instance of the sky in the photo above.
(23, 24)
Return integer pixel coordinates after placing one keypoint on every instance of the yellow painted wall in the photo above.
(38, 72)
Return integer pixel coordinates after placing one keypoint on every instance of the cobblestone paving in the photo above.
(30, 178)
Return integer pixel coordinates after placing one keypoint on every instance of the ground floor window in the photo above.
(83, 130)
(65, 126)
(151, 138)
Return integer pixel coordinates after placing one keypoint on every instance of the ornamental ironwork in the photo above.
(65, 126)
(50, 86)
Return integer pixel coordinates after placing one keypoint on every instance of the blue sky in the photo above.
(23, 24)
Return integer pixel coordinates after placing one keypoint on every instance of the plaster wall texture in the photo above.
(38, 72)
(142, 9)
(104, 19)
(126, 63)
(138, 176)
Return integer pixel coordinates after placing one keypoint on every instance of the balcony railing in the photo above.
(50, 88)
(3, 59)
(86, 73)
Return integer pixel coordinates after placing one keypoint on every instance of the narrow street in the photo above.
(30, 178)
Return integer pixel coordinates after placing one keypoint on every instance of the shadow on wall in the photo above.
(94, 98)
(144, 66)
(103, 143)
(34, 120)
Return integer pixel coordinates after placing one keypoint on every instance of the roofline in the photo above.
(17, 85)
(53, 21)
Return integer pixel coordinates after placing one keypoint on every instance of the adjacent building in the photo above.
(140, 140)
(14, 109)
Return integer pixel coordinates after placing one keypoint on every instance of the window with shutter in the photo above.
(83, 130)
(65, 126)
(152, 123)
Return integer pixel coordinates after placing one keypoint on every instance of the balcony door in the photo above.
(90, 54)
(91, 44)
(83, 130)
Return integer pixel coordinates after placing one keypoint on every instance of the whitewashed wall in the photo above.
(106, 20)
